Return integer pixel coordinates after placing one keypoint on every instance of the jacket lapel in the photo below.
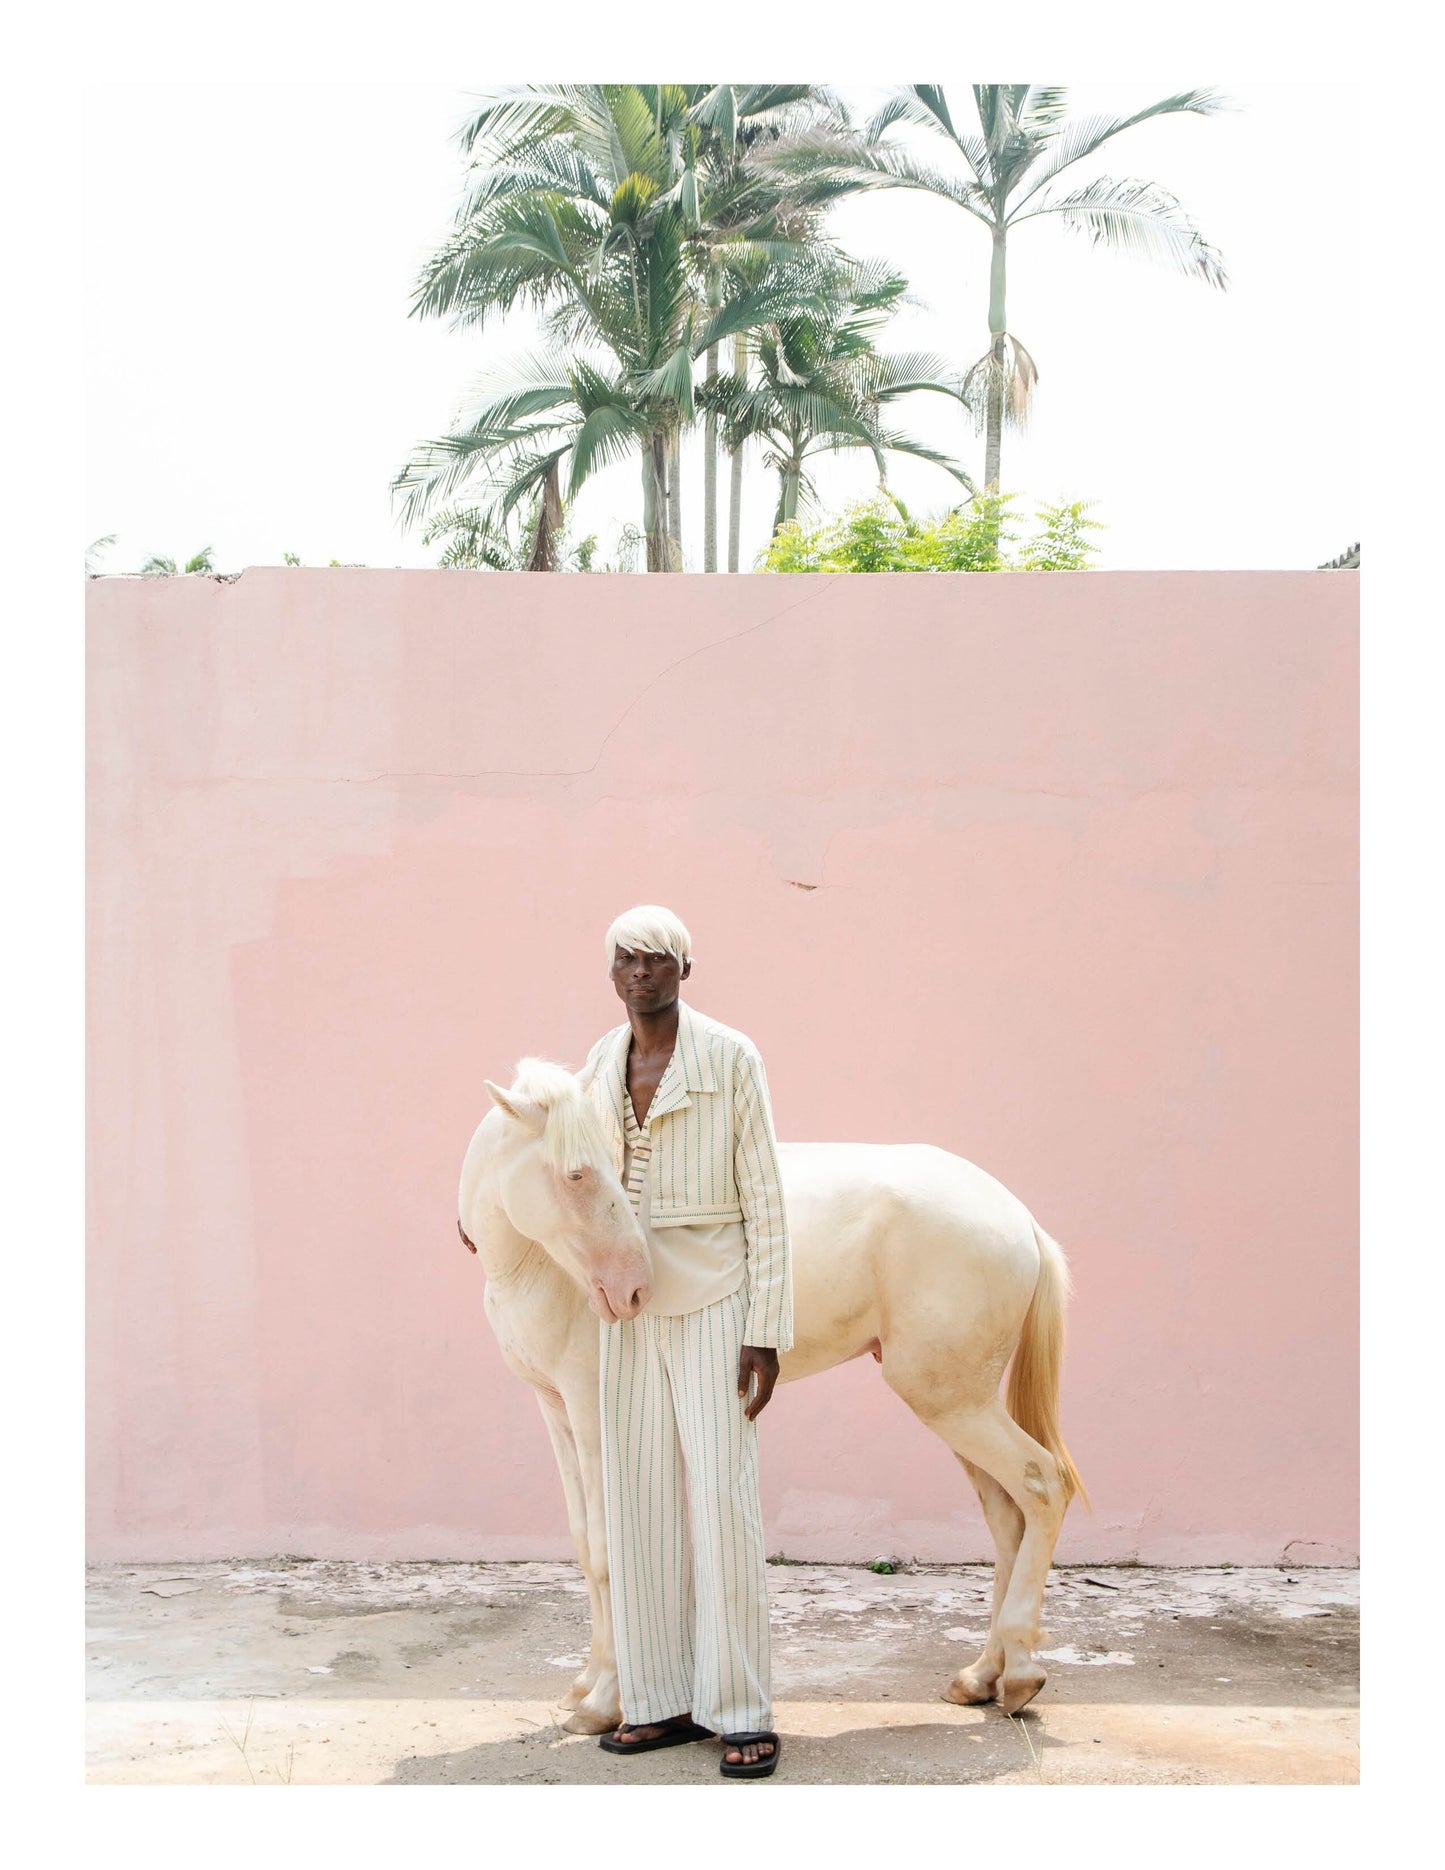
(689, 1069)
(671, 1093)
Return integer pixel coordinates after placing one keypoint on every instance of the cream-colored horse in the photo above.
(900, 1250)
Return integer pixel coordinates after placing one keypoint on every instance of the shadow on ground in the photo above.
(329, 1673)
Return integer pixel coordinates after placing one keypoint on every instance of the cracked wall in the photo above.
(1057, 871)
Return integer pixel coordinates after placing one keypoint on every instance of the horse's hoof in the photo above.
(585, 1720)
(1019, 1688)
(576, 1694)
(970, 1686)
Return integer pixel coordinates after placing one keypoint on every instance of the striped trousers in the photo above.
(684, 1525)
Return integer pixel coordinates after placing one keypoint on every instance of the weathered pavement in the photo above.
(312, 1672)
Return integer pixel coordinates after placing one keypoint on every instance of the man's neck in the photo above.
(654, 1034)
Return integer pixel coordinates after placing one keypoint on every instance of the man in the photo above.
(683, 1383)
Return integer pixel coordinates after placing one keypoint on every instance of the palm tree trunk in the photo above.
(735, 506)
(654, 503)
(549, 524)
(709, 475)
(997, 326)
(735, 513)
(792, 481)
(674, 491)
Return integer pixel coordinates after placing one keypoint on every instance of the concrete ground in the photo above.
(312, 1673)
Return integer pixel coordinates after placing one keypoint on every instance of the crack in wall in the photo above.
(578, 772)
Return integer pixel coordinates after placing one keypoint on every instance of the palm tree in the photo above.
(601, 205)
(1002, 175)
(156, 567)
(94, 552)
(583, 210)
(743, 211)
(571, 214)
(823, 385)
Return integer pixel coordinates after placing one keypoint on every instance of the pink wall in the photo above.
(1076, 853)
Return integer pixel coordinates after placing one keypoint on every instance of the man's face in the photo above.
(647, 982)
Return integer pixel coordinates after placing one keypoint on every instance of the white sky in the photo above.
(254, 380)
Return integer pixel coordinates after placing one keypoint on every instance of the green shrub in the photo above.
(880, 535)
(1061, 546)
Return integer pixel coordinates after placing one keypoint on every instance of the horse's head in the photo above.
(557, 1185)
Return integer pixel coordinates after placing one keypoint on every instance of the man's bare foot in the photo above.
(649, 1730)
(753, 1750)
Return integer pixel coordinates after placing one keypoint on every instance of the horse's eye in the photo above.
(575, 1175)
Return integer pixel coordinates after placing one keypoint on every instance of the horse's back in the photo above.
(902, 1242)
(920, 1184)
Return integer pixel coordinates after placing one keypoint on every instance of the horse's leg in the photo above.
(569, 1465)
(977, 1681)
(989, 1438)
(1029, 1475)
(565, 1448)
(600, 1708)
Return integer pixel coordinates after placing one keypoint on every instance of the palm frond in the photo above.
(526, 477)
(1015, 374)
(550, 168)
(718, 112)
(1086, 134)
(1045, 106)
(758, 102)
(1138, 217)
(517, 115)
(671, 381)
(896, 442)
(631, 198)
(608, 433)
(922, 105)
(849, 164)
(473, 540)
(900, 373)
(527, 249)
(441, 466)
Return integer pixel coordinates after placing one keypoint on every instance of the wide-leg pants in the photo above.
(684, 1524)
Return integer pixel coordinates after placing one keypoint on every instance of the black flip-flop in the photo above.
(749, 1769)
(671, 1737)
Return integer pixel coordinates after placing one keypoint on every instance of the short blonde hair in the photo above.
(652, 929)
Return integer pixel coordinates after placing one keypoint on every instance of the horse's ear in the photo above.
(521, 1109)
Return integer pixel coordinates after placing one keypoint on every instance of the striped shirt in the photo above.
(694, 1264)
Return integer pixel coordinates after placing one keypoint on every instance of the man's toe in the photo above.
(754, 1750)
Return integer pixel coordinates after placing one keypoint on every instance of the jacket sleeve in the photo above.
(765, 1220)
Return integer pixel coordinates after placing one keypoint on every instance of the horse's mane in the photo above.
(573, 1136)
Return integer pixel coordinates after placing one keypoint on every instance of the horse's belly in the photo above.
(891, 1238)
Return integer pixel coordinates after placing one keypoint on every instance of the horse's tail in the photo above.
(1033, 1379)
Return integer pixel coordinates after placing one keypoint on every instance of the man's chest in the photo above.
(643, 1077)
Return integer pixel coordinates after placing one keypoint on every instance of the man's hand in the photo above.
(760, 1361)
(465, 1242)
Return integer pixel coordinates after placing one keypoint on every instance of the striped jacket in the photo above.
(714, 1154)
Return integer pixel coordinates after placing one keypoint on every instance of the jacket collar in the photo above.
(689, 1069)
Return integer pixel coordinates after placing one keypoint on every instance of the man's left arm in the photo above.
(769, 1325)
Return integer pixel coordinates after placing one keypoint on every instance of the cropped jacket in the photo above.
(714, 1151)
